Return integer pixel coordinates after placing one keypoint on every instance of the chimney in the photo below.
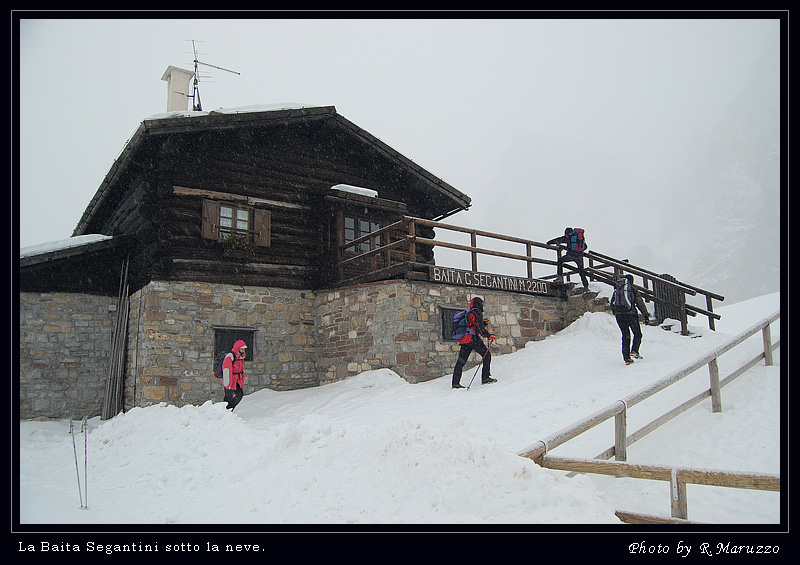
(177, 88)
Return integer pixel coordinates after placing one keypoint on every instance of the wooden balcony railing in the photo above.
(400, 256)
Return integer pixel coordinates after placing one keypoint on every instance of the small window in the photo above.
(355, 228)
(447, 322)
(233, 221)
(226, 336)
(222, 220)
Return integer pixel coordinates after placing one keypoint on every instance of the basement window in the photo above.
(226, 336)
(447, 322)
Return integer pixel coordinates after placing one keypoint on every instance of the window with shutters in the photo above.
(233, 221)
(222, 220)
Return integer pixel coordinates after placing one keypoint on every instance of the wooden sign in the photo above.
(488, 281)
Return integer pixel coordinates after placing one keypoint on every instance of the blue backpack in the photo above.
(576, 240)
(460, 320)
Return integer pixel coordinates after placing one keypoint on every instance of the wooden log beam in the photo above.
(638, 518)
(712, 477)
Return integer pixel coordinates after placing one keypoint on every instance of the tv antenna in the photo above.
(196, 104)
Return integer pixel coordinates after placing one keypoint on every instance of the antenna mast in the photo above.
(196, 104)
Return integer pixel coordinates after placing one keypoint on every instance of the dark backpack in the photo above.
(622, 297)
(218, 364)
(460, 320)
(576, 240)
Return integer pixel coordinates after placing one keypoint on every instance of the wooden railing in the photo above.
(678, 476)
(668, 294)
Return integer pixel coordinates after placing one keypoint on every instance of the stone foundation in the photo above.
(301, 338)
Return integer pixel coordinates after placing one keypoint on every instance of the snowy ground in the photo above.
(376, 450)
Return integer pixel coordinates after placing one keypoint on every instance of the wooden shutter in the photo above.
(210, 219)
(261, 227)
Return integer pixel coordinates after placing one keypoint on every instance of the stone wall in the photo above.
(301, 338)
(64, 343)
(398, 325)
(172, 331)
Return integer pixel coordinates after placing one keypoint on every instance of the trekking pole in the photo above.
(84, 427)
(75, 451)
(479, 364)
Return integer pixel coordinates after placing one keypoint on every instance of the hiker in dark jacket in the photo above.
(628, 321)
(571, 255)
(476, 327)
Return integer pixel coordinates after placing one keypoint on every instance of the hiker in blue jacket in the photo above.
(624, 308)
(571, 255)
(471, 341)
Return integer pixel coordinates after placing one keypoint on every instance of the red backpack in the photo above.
(576, 240)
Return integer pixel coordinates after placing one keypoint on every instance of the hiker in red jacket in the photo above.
(476, 327)
(233, 374)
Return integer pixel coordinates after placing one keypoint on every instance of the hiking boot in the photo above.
(488, 380)
(629, 361)
(635, 355)
(458, 385)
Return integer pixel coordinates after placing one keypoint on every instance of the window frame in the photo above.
(447, 314)
(226, 336)
(234, 229)
(259, 222)
(357, 230)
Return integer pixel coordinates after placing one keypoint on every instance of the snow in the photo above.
(356, 190)
(374, 449)
(235, 110)
(51, 246)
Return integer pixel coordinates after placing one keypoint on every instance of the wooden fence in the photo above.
(399, 256)
(677, 476)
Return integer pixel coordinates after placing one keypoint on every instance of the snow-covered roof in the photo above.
(61, 244)
(236, 110)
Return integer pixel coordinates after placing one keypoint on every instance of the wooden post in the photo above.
(373, 260)
(710, 309)
(621, 434)
(474, 242)
(412, 248)
(716, 398)
(766, 333)
(528, 252)
(678, 500)
(684, 319)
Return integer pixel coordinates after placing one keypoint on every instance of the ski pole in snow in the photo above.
(75, 451)
(84, 427)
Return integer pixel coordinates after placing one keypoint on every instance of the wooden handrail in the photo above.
(619, 406)
(712, 477)
(538, 452)
(641, 272)
(482, 251)
(593, 271)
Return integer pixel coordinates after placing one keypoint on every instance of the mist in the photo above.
(659, 136)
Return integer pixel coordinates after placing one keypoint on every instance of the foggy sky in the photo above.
(542, 122)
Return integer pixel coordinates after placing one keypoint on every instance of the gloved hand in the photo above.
(492, 337)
